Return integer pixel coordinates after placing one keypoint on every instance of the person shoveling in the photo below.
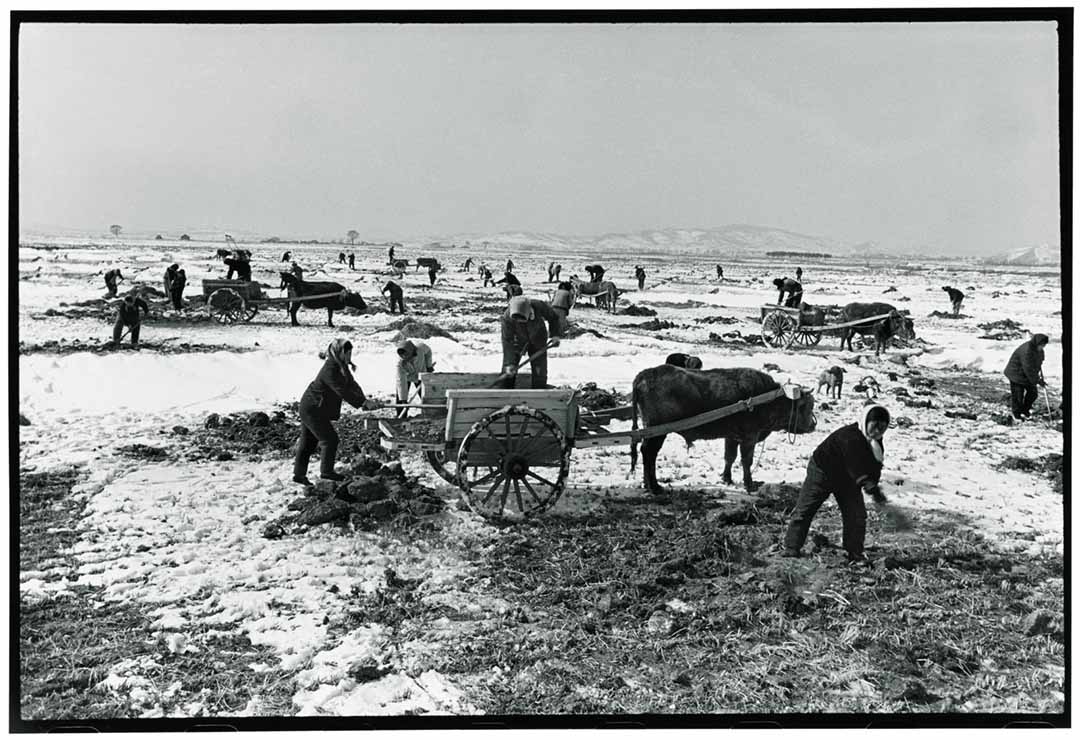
(524, 331)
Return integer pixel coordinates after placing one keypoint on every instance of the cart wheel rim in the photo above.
(518, 485)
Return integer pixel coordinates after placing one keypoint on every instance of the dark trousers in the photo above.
(176, 296)
(956, 306)
(815, 490)
(110, 285)
(793, 300)
(397, 300)
(538, 366)
(431, 277)
(315, 431)
(118, 329)
(1023, 398)
(641, 283)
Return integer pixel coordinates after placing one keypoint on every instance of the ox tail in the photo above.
(633, 427)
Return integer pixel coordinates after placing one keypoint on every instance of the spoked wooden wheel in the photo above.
(807, 338)
(513, 463)
(226, 306)
(446, 468)
(250, 310)
(777, 329)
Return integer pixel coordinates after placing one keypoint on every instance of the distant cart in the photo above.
(508, 450)
(235, 301)
(782, 327)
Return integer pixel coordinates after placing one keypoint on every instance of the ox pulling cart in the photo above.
(233, 301)
(782, 327)
(508, 450)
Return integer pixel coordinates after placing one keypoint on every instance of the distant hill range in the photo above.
(1041, 255)
(736, 240)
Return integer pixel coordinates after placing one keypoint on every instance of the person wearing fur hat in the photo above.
(526, 325)
(414, 357)
(847, 464)
(1024, 372)
(320, 406)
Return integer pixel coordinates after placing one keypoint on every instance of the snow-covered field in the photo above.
(156, 533)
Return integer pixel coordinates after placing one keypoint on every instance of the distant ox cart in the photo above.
(783, 327)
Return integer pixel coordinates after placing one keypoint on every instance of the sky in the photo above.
(912, 136)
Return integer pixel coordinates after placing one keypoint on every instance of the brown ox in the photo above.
(667, 393)
(604, 293)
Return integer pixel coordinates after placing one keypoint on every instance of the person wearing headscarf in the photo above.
(1024, 372)
(320, 406)
(526, 324)
(847, 465)
(414, 357)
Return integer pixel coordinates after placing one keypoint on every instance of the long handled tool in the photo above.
(522, 364)
(1046, 396)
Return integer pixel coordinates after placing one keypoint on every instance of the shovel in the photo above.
(1046, 397)
(523, 363)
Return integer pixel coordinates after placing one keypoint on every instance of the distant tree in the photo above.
(185, 238)
(157, 238)
(352, 235)
(115, 229)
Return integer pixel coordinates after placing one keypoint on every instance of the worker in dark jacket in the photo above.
(956, 297)
(176, 289)
(170, 275)
(798, 274)
(432, 273)
(352, 260)
(298, 271)
(794, 290)
(526, 326)
(847, 465)
(111, 278)
(509, 265)
(320, 405)
(390, 255)
(341, 258)
(719, 272)
(556, 271)
(240, 266)
(509, 278)
(596, 273)
(561, 303)
(286, 257)
(397, 295)
(128, 316)
(551, 272)
(1024, 372)
(639, 273)
(485, 273)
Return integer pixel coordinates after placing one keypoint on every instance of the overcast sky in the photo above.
(913, 136)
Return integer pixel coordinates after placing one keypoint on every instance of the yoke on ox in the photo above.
(749, 406)
(604, 294)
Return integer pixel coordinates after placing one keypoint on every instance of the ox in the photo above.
(603, 293)
(299, 288)
(895, 324)
(667, 393)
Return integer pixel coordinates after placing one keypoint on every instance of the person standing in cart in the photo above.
(320, 406)
(526, 327)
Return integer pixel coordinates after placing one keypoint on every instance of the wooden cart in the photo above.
(509, 449)
(782, 327)
(232, 301)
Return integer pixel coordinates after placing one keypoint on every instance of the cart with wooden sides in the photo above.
(234, 301)
(508, 450)
(783, 327)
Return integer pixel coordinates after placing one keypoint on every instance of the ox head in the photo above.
(354, 300)
(901, 325)
(287, 279)
(800, 408)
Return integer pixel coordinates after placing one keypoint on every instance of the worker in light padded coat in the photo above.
(526, 324)
(561, 302)
(321, 405)
(414, 357)
(846, 465)
(1024, 372)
